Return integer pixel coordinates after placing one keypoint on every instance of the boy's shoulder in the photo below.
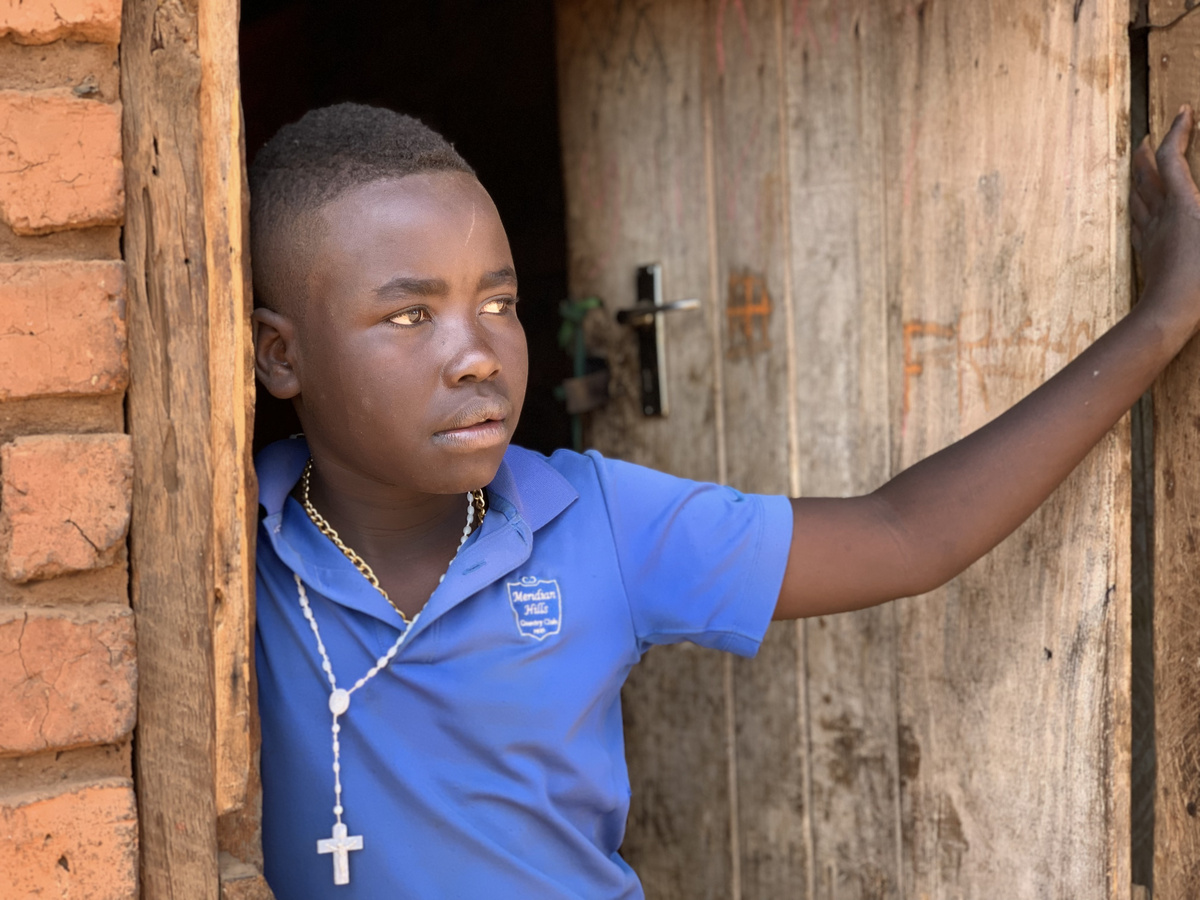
(541, 484)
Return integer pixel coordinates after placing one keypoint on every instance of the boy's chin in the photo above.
(467, 474)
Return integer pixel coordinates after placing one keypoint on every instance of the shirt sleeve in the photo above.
(700, 562)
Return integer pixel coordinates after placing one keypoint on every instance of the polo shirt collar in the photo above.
(526, 494)
(535, 489)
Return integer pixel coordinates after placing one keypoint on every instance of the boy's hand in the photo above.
(1165, 206)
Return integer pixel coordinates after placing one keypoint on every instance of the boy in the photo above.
(445, 621)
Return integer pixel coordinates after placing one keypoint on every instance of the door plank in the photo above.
(836, 53)
(634, 152)
(1174, 76)
(744, 81)
(1008, 254)
(1162, 13)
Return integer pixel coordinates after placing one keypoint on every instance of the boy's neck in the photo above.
(362, 507)
(408, 538)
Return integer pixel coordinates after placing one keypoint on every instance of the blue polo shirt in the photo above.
(488, 760)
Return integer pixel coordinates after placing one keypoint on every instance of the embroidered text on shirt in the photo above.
(537, 606)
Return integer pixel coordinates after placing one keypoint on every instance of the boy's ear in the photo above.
(274, 337)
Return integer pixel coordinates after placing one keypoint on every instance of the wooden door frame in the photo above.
(190, 415)
(1174, 70)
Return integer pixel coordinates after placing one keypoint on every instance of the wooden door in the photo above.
(900, 216)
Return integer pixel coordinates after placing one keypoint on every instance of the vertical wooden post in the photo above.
(230, 368)
(190, 404)
(1174, 56)
(169, 410)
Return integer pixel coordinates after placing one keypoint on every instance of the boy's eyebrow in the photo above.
(503, 275)
(406, 287)
(402, 286)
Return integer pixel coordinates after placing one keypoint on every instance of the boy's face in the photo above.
(409, 361)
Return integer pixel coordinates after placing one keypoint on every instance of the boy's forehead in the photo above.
(442, 218)
(417, 198)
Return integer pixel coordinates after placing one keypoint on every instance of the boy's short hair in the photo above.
(310, 162)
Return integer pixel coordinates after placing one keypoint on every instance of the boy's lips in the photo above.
(477, 425)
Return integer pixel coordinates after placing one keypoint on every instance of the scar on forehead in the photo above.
(471, 230)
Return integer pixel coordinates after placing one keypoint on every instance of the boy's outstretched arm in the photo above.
(933, 520)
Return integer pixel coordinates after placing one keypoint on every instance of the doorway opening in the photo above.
(480, 72)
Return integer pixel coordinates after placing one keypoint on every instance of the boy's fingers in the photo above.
(1170, 157)
(1147, 184)
(1138, 210)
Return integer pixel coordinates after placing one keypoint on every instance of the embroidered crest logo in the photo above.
(537, 606)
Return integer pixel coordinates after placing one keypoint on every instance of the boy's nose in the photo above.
(472, 356)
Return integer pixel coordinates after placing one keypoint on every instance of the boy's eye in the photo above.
(499, 305)
(414, 316)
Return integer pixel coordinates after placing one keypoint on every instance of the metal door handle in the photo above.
(644, 317)
(643, 314)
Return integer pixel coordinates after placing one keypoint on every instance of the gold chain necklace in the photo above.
(477, 497)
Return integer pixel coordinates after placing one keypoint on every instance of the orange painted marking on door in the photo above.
(748, 313)
(912, 365)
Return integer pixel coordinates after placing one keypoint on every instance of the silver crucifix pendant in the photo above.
(340, 846)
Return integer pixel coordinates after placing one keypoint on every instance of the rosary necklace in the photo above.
(475, 498)
(339, 844)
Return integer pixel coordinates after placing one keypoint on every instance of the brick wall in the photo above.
(68, 679)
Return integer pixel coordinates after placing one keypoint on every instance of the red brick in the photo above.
(66, 499)
(81, 844)
(43, 21)
(62, 329)
(68, 678)
(60, 162)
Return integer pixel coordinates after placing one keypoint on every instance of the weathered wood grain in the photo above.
(190, 407)
(1007, 254)
(169, 409)
(634, 152)
(1162, 13)
(744, 80)
(836, 77)
(231, 381)
(231, 384)
(1175, 79)
(922, 207)
(242, 881)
